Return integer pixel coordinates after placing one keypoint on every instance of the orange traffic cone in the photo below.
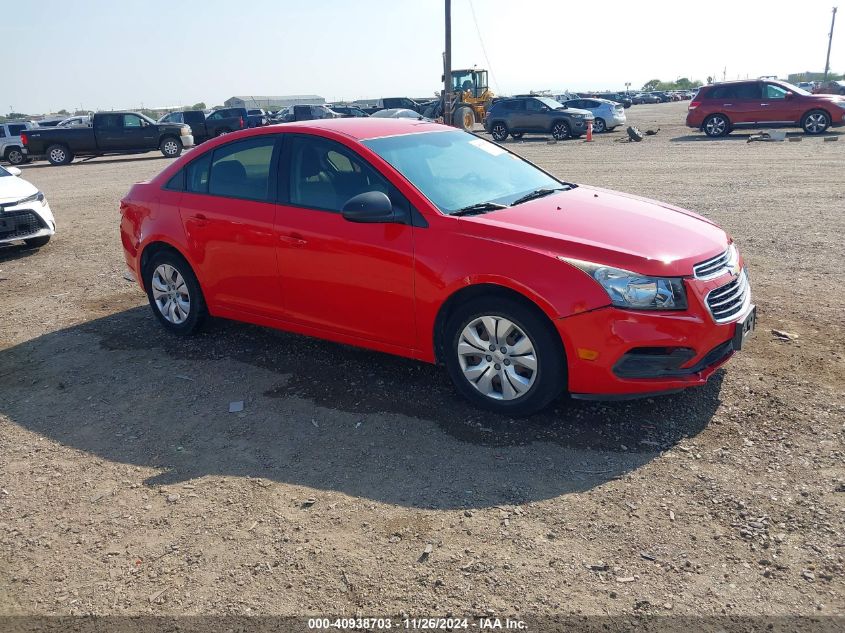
(589, 132)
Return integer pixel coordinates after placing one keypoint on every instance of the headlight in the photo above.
(633, 291)
(36, 197)
(577, 116)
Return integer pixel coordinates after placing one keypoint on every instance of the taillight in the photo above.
(694, 104)
(24, 138)
(242, 122)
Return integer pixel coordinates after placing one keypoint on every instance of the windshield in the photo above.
(554, 105)
(795, 89)
(456, 170)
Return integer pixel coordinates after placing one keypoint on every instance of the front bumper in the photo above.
(187, 140)
(615, 353)
(26, 221)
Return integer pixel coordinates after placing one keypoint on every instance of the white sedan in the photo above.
(24, 212)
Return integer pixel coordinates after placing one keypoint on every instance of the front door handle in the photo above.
(764, 105)
(726, 105)
(294, 239)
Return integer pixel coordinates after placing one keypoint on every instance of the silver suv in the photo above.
(11, 147)
(535, 115)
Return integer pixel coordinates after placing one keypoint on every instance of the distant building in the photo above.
(272, 103)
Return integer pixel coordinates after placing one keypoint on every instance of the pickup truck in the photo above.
(203, 128)
(110, 133)
(389, 103)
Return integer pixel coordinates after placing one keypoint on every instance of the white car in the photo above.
(75, 121)
(24, 212)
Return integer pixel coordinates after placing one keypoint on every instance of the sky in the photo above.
(115, 54)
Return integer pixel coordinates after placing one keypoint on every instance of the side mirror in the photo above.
(370, 207)
(14, 171)
(789, 95)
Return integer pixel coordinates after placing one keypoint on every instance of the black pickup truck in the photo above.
(110, 133)
(203, 128)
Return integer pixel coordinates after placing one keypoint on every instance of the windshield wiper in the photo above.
(538, 193)
(478, 209)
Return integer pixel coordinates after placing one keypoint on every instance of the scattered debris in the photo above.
(795, 139)
(768, 135)
(829, 139)
(648, 556)
(429, 548)
(600, 566)
(626, 579)
(172, 498)
(310, 501)
(634, 134)
(783, 336)
(652, 132)
(236, 406)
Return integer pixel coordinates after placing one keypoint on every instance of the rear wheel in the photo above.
(560, 130)
(815, 122)
(599, 126)
(499, 131)
(59, 155)
(503, 356)
(37, 242)
(174, 293)
(15, 156)
(717, 125)
(170, 146)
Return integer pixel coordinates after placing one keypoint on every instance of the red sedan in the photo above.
(416, 239)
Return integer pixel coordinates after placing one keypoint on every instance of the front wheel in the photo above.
(464, 118)
(815, 122)
(599, 126)
(499, 131)
(717, 125)
(561, 131)
(174, 293)
(171, 147)
(15, 156)
(504, 356)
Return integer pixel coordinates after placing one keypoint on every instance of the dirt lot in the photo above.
(126, 486)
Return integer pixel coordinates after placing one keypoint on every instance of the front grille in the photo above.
(713, 267)
(20, 224)
(728, 301)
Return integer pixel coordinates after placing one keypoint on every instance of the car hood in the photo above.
(575, 111)
(610, 228)
(13, 188)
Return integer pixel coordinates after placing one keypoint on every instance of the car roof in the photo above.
(368, 127)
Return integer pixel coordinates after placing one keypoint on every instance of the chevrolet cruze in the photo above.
(416, 239)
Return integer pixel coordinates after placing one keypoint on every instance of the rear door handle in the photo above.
(199, 218)
(727, 105)
(294, 239)
(764, 105)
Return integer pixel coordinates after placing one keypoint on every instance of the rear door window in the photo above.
(15, 130)
(197, 174)
(242, 169)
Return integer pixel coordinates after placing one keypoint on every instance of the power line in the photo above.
(483, 48)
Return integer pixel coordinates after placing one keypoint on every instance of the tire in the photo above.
(815, 122)
(537, 373)
(176, 299)
(499, 131)
(222, 131)
(561, 130)
(464, 118)
(599, 126)
(716, 125)
(59, 154)
(15, 156)
(170, 147)
(517, 135)
(38, 242)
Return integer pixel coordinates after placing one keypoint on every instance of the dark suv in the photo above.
(535, 115)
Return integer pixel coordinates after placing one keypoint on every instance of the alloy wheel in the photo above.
(560, 131)
(715, 126)
(15, 156)
(497, 357)
(598, 126)
(499, 132)
(58, 155)
(171, 147)
(170, 293)
(815, 123)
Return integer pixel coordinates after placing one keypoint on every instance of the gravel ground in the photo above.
(126, 486)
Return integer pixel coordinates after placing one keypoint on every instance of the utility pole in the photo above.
(447, 68)
(829, 43)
